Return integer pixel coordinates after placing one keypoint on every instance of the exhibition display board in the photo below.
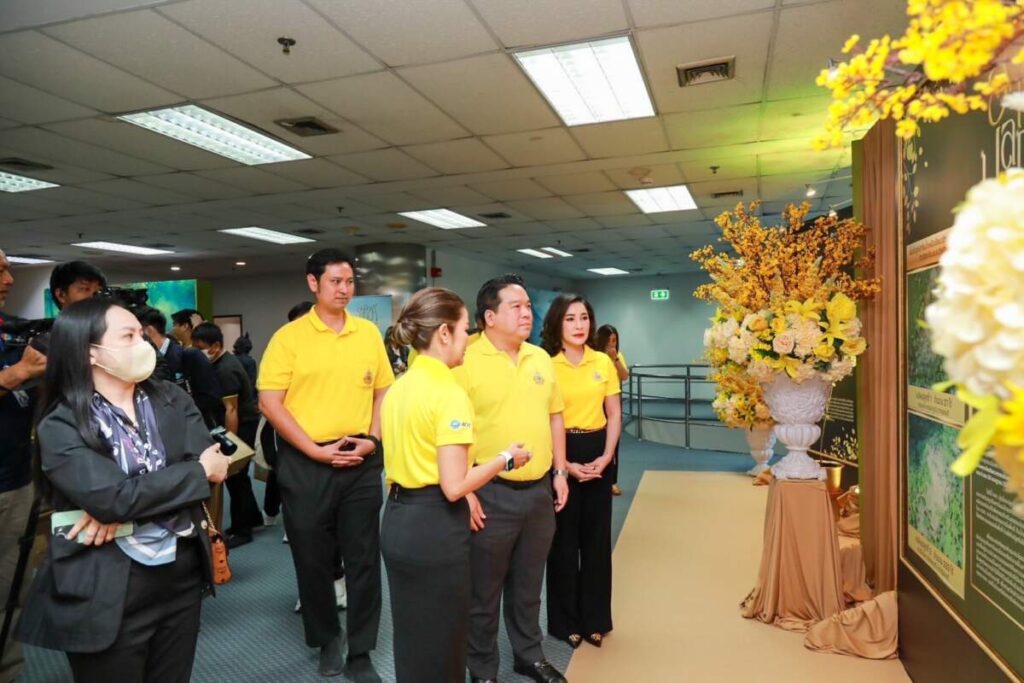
(958, 536)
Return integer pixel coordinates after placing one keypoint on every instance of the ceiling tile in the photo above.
(398, 201)
(486, 94)
(316, 173)
(540, 22)
(808, 36)
(676, 217)
(96, 200)
(702, 192)
(544, 209)
(385, 164)
(624, 221)
(253, 179)
(576, 183)
(653, 176)
(778, 163)
(622, 138)
(7, 123)
(729, 166)
(536, 148)
(262, 108)
(573, 225)
(183, 63)
(385, 106)
(193, 186)
(118, 136)
(49, 65)
(798, 118)
(457, 195)
(713, 127)
(658, 12)
(515, 188)
(745, 38)
(28, 105)
(793, 187)
(602, 203)
(31, 141)
(468, 155)
(403, 32)
(134, 190)
(249, 30)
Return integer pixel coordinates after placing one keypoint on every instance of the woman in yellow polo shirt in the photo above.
(580, 562)
(607, 340)
(427, 428)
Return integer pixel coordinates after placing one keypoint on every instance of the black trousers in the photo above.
(507, 559)
(330, 511)
(580, 563)
(425, 543)
(159, 627)
(245, 511)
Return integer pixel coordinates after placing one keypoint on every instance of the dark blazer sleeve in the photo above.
(95, 483)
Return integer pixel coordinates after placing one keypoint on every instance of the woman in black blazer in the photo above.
(123, 449)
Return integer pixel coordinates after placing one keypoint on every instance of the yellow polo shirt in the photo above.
(585, 386)
(424, 410)
(329, 376)
(513, 403)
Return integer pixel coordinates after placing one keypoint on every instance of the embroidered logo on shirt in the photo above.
(458, 424)
(538, 378)
(368, 378)
(598, 377)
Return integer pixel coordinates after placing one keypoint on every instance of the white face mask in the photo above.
(129, 363)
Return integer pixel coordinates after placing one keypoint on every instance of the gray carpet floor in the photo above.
(250, 633)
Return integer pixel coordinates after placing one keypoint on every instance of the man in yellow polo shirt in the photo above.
(321, 381)
(512, 387)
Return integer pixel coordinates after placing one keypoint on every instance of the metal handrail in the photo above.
(638, 373)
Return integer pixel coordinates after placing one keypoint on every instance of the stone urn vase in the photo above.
(761, 441)
(797, 409)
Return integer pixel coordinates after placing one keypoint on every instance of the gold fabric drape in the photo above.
(877, 203)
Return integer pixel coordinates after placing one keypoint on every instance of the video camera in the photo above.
(20, 333)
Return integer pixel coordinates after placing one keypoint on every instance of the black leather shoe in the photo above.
(541, 671)
(483, 680)
(238, 540)
(332, 661)
(360, 670)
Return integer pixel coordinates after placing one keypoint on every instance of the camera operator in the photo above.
(18, 365)
(75, 281)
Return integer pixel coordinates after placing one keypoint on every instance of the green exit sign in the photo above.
(659, 295)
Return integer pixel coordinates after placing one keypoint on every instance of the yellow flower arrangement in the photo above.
(977, 323)
(739, 401)
(945, 62)
(786, 295)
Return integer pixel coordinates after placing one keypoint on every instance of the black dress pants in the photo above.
(580, 563)
(424, 539)
(159, 627)
(327, 510)
(245, 511)
(507, 558)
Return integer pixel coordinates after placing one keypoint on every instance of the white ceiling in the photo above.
(433, 112)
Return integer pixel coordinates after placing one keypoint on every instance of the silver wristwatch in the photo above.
(560, 473)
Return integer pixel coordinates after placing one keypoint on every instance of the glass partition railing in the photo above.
(678, 394)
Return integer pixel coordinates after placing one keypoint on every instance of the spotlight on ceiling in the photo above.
(810, 190)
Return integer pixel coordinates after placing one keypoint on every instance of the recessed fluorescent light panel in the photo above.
(214, 133)
(557, 252)
(659, 199)
(443, 218)
(267, 235)
(122, 248)
(534, 253)
(9, 182)
(608, 271)
(27, 260)
(589, 82)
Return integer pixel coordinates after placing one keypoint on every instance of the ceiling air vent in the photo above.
(496, 215)
(309, 231)
(726, 194)
(711, 71)
(307, 126)
(159, 245)
(19, 164)
(582, 250)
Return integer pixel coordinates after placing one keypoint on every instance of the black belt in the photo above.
(574, 430)
(429, 493)
(518, 485)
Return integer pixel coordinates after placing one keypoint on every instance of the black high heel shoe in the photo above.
(574, 640)
(595, 639)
